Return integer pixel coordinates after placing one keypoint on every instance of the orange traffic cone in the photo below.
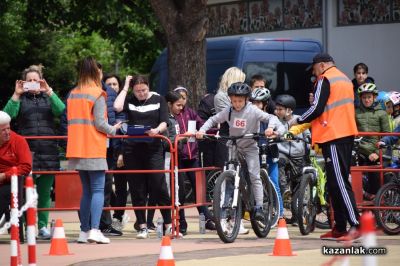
(58, 242)
(368, 233)
(282, 246)
(166, 257)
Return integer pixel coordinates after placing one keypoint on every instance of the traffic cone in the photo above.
(59, 244)
(368, 236)
(166, 257)
(282, 246)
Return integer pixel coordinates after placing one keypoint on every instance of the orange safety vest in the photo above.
(338, 118)
(84, 140)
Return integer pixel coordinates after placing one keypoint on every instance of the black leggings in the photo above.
(145, 156)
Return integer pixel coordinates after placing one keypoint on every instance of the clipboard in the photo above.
(138, 130)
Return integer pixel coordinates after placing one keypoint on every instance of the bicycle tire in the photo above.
(231, 217)
(211, 179)
(276, 208)
(389, 220)
(306, 211)
(262, 228)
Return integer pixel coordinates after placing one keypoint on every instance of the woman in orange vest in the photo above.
(87, 146)
(333, 127)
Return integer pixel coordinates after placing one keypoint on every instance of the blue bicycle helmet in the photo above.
(383, 99)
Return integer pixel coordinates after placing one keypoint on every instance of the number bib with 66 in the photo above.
(239, 123)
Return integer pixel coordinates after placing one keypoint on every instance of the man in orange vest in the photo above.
(333, 126)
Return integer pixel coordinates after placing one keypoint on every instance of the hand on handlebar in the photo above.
(380, 144)
(269, 132)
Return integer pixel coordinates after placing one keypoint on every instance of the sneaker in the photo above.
(143, 233)
(151, 228)
(44, 234)
(210, 225)
(96, 236)
(117, 224)
(83, 237)
(353, 235)
(111, 231)
(168, 231)
(242, 229)
(334, 234)
(258, 214)
(183, 227)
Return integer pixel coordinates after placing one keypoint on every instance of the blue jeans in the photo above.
(273, 172)
(92, 199)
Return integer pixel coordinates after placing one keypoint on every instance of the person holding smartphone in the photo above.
(35, 106)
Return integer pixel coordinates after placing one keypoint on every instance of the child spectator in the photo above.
(370, 118)
(188, 155)
(360, 77)
(395, 99)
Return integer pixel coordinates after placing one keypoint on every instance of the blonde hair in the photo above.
(33, 68)
(231, 75)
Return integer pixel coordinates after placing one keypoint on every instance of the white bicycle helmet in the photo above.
(394, 97)
(260, 94)
(367, 87)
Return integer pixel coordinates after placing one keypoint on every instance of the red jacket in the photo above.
(15, 152)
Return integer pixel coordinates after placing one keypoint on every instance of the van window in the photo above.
(283, 78)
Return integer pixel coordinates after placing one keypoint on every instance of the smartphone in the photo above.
(31, 85)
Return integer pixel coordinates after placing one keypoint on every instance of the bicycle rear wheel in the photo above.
(262, 227)
(388, 196)
(306, 210)
(227, 218)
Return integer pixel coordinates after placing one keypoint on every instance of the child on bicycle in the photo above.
(370, 118)
(244, 118)
(260, 97)
(291, 151)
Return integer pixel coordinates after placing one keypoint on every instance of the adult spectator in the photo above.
(87, 146)
(222, 101)
(14, 151)
(106, 219)
(258, 82)
(147, 109)
(35, 110)
(119, 198)
(333, 127)
(360, 71)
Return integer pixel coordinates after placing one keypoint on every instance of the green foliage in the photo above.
(122, 35)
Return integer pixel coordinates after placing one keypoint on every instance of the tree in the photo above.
(185, 24)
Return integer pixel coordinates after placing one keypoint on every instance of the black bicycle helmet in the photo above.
(260, 94)
(239, 89)
(286, 100)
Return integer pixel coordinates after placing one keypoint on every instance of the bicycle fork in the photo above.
(236, 188)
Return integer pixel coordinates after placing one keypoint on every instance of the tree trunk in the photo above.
(185, 24)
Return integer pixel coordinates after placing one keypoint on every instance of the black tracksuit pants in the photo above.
(337, 155)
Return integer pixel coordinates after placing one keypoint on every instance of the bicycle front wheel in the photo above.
(227, 217)
(388, 196)
(262, 227)
(306, 210)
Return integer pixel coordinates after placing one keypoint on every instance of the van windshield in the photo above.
(283, 78)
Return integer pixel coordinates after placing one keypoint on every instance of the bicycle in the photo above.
(311, 194)
(233, 195)
(389, 196)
